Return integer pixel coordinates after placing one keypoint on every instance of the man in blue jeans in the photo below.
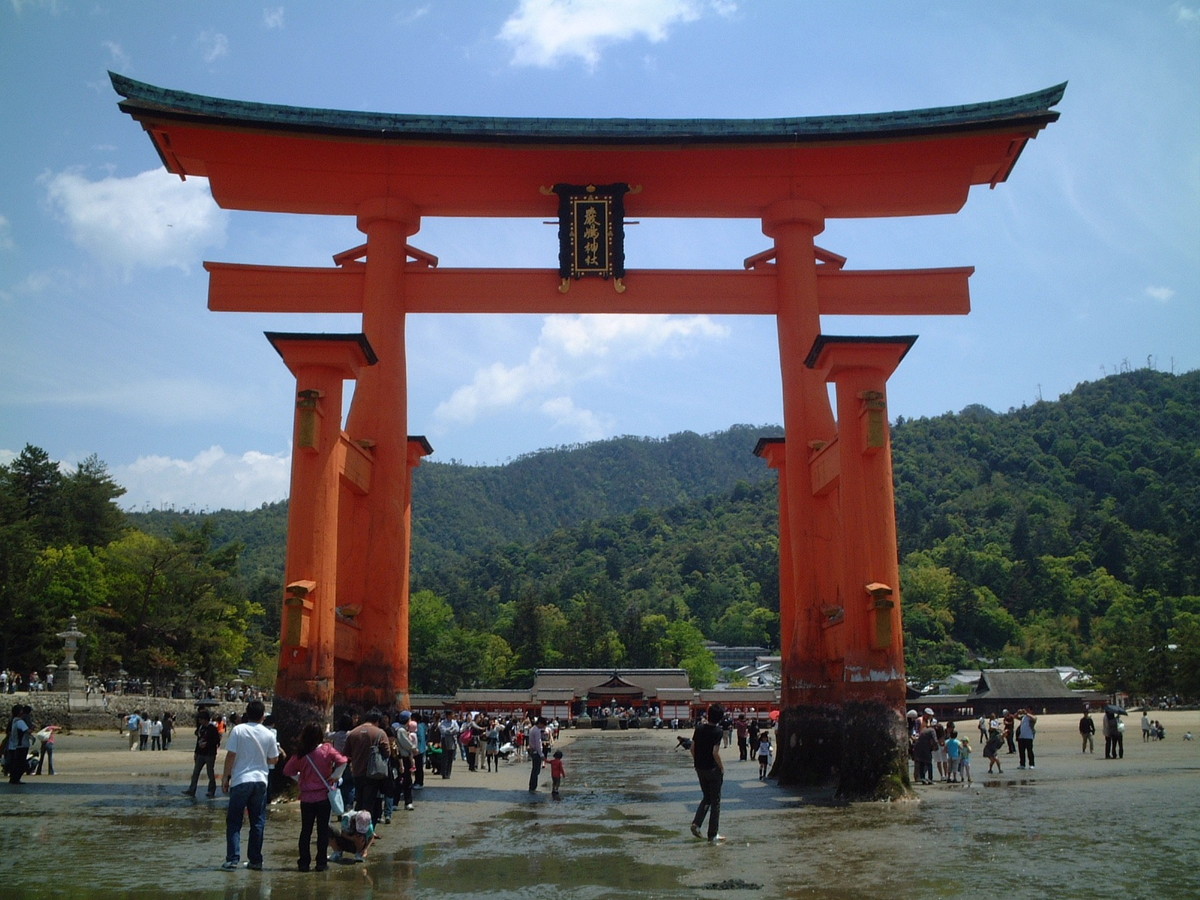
(250, 751)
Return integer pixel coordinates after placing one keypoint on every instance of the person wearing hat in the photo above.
(923, 749)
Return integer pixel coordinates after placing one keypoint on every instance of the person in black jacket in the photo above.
(208, 740)
(1087, 730)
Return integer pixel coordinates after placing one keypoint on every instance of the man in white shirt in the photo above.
(250, 751)
(535, 753)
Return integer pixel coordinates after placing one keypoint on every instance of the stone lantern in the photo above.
(74, 678)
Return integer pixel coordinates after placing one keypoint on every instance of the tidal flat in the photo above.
(113, 823)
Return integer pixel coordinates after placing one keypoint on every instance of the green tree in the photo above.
(34, 484)
(684, 647)
(590, 642)
(746, 624)
(1185, 638)
(173, 604)
(89, 496)
(65, 581)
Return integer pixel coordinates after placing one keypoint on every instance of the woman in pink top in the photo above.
(317, 766)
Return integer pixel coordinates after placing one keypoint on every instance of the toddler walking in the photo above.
(557, 772)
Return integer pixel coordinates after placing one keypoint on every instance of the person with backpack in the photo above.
(132, 725)
(208, 739)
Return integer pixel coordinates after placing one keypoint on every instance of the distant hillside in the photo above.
(459, 510)
(463, 509)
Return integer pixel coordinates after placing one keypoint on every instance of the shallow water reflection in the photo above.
(621, 831)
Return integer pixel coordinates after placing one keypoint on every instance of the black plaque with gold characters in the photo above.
(591, 232)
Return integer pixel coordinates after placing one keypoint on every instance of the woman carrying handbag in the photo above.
(317, 767)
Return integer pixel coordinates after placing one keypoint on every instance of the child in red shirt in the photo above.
(557, 772)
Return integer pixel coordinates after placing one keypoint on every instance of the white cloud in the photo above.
(120, 59)
(152, 219)
(571, 350)
(32, 284)
(1186, 14)
(212, 45)
(6, 240)
(630, 335)
(584, 424)
(498, 387)
(213, 479)
(273, 17)
(542, 32)
(54, 6)
(1161, 294)
(407, 17)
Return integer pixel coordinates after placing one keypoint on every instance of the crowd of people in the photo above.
(355, 775)
(148, 731)
(938, 746)
(13, 682)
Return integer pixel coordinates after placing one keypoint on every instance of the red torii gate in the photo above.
(344, 634)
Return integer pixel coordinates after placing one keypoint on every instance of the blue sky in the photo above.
(1087, 259)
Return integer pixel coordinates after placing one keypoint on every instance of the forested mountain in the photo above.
(1064, 532)
(461, 509)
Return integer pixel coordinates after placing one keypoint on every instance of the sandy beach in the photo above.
(113, 823)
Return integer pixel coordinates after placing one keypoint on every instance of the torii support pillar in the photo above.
(376, 541)
(874, 746)
(304, 684)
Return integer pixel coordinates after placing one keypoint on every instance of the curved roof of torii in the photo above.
(277, 158)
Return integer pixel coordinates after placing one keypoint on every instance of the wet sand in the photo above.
(114, 824)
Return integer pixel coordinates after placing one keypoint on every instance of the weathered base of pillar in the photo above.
(807, 745)
(290, 716)
(859, 747)
(369, 686)
(874, 758)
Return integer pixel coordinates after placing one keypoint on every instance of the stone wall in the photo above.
(51, 708)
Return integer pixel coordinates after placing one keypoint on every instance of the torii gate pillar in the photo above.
(840, 628)
(871, 689)
(304, 684)
(376, 536)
